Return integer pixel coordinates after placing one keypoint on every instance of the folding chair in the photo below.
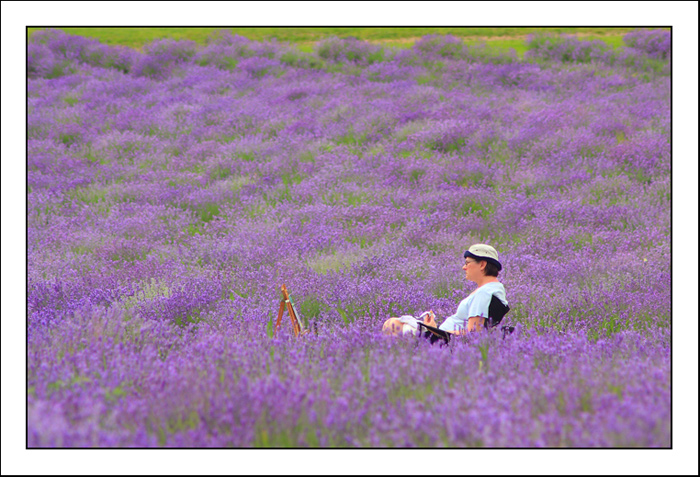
(497, 310)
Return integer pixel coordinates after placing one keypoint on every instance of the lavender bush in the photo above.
(655, 43)
(172, 191)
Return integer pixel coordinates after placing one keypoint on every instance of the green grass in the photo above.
(305, 37)
(613, 41)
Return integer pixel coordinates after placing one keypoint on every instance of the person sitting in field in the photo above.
(481, 266)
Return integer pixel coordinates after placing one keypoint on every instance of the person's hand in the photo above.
(430, 319)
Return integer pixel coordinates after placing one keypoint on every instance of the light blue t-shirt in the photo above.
(476, 304)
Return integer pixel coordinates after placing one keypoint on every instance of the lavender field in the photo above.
(171, 191)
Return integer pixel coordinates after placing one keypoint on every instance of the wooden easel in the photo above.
(287, 302)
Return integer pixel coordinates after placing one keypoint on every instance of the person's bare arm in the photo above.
(475, 323)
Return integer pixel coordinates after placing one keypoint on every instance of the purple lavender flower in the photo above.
(172, 191)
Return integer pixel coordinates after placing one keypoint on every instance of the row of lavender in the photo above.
(172, 191)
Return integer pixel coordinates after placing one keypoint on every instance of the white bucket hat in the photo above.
(481, 251)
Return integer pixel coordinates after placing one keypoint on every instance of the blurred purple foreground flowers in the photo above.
(172, 191)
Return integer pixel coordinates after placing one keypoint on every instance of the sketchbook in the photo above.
(435, 331)
(427, 331)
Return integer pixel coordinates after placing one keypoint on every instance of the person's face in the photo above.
(471, 268)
